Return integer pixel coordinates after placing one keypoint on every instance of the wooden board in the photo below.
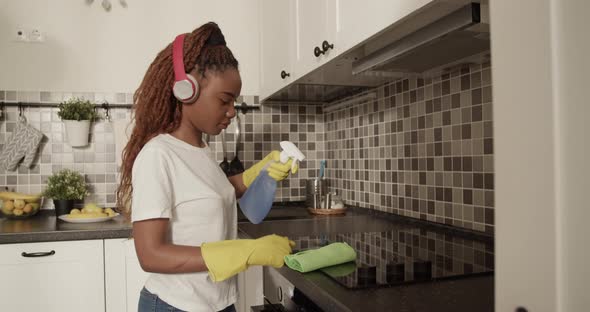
(327, 211)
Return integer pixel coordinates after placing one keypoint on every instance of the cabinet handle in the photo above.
(38, 254)
(327, 46)
(284, 74)
(317, 51)
(280, 293)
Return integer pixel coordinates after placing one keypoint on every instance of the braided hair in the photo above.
(155, 109)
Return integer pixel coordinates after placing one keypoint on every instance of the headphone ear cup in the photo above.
(196, 89)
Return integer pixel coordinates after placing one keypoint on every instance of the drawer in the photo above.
(47, 252)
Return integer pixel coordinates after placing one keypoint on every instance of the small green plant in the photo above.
(77, 109)
(66, 184)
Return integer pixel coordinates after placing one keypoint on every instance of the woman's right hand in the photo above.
(270, 250)
(227, 258)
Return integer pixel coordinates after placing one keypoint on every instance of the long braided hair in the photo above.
(155, 109)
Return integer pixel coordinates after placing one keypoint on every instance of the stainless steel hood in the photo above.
(410, 49)
(451, 38)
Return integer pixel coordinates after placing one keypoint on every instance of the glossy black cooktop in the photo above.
(405, 254)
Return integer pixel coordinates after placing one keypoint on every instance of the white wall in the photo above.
(540, 75)
(90, 50)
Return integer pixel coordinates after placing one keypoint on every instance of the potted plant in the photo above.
(65, 187)
(77, 115)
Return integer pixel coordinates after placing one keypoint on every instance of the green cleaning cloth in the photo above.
(313, 259)
(340, 270)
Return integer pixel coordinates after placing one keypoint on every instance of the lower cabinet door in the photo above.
(250, 289)
(52, 276)
(124, 277)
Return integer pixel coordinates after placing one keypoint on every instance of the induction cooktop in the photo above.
(403, 255)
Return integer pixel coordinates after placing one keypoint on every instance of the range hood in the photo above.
(451, 38)
(460, 36)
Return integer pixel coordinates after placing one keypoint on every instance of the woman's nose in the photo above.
(231, 112)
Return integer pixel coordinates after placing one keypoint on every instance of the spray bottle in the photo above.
(256, 202)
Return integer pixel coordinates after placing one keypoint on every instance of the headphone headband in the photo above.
(185, 88)
(178, 58)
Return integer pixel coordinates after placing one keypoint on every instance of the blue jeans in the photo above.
(149, 302)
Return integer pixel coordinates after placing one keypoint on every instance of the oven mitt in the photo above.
(276, 169)
(313, 259)
(227, 258)
(23, 142)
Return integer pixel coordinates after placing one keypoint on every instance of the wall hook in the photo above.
(105, 106)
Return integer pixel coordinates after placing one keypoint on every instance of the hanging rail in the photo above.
(22, 105)
(243, 107)
(38, 104)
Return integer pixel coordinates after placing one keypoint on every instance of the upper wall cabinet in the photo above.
(316, 27)
(277, 45)
(299, 36)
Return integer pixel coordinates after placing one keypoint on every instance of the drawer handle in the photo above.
(280, 293)
(284, 74)
(38, 254)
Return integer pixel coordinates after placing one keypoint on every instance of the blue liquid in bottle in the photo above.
(256, 202)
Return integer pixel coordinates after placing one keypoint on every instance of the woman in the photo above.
(182, 206)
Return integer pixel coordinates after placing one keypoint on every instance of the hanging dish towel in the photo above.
(24, 142)
(122, 131)
(313, 259)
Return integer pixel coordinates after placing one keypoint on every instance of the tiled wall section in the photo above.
(262, 129)
(96, 161)
(422, 148)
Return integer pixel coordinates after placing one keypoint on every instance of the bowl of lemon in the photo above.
(90, 213)
(17, 206)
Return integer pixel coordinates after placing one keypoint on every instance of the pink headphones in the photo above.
(185, 88)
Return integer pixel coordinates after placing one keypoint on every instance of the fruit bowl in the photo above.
(18, 206)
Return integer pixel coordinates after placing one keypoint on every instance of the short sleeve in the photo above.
(152, 186)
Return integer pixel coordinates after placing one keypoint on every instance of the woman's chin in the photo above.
(215, 132)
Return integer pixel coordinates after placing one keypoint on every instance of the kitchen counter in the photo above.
(45, 227)
(472, 293)
(475, 293)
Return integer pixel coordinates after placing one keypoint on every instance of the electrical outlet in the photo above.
(20, 35)
(36, 36)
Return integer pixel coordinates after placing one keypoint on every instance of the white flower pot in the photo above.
(77, 132)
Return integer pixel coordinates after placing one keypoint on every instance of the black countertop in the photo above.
(463, 294)
(472, 293)
(45, 227)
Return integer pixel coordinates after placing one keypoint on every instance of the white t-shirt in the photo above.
(175, 180)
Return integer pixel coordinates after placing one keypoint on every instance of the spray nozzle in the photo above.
(291, 151)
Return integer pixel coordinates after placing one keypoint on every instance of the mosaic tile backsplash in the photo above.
(421, 147)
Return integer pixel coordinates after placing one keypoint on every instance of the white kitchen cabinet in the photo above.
(124, 277)
(52, 276)
(277, 46)
(250, 289)
(292, 31)
(315, 22)
(541, 163)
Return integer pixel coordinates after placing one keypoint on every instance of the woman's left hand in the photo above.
(276, 169)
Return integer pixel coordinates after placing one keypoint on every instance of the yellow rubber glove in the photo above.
(276, 170)
(227, 258)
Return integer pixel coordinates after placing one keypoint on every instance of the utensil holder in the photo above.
(315, 191)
